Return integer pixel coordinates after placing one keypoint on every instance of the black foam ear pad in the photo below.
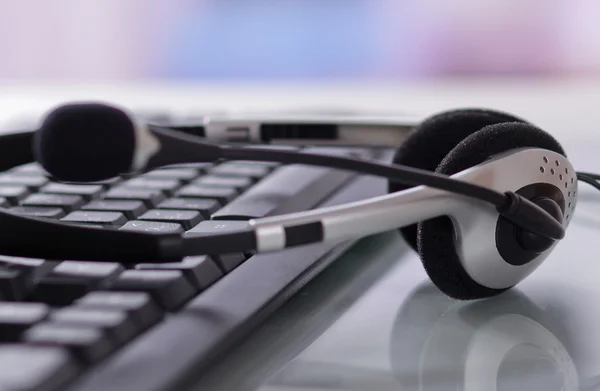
(434, 138)
(435, 237)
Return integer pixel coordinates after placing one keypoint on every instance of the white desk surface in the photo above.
(377, 324)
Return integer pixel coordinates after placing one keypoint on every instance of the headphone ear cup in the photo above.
(435, 237)
(434, 138)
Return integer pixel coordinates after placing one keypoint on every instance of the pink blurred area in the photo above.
(292, 39)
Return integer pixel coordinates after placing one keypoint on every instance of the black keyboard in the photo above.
(74, 325)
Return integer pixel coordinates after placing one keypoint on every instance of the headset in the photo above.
(481, 195)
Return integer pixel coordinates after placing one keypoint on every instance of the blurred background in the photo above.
(258, 40)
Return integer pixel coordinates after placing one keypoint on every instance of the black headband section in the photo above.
(31, 237)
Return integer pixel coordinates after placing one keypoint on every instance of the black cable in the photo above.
(517, 209)
(590, 179)
(589, 174)
(403, 174)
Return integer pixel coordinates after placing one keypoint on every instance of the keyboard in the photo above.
(83, 326)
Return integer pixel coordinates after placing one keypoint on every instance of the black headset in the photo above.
(456, 174)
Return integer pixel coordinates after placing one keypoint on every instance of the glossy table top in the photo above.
(372, 321)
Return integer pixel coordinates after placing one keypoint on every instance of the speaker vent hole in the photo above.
(542, 170)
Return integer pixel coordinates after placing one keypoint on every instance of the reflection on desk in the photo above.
(504, 343)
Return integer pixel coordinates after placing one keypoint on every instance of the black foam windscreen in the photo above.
(431, 141)
(85, 142)
(435, 237)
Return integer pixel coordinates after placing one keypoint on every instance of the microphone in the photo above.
(88, 142)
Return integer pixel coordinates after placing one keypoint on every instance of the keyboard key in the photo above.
(28, 169)
(13, 284)
(166, 185)
(35, 368)
(205, 206)
(187, 218)
(288, 189)
(14, 194)
(142, 309)
(208, 227)
(131, 209)
(169, 288)
(117, 324)
(181, 174)
(84, 269)
(33, 182)
(38, 211)
(88, 225)
(227, 262)
(150, 197)
(200, 168)
(107, 183)
(34, 269)
(71, 280)
(276, 146)
(86, 191)
(17, 317)
(239, 183)
(200, 270)
(254, 171)
(223, 194)
(152, 226)
(67, 202)
(30, 272)
(106, 219)
(88, 344)
(269, 165)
